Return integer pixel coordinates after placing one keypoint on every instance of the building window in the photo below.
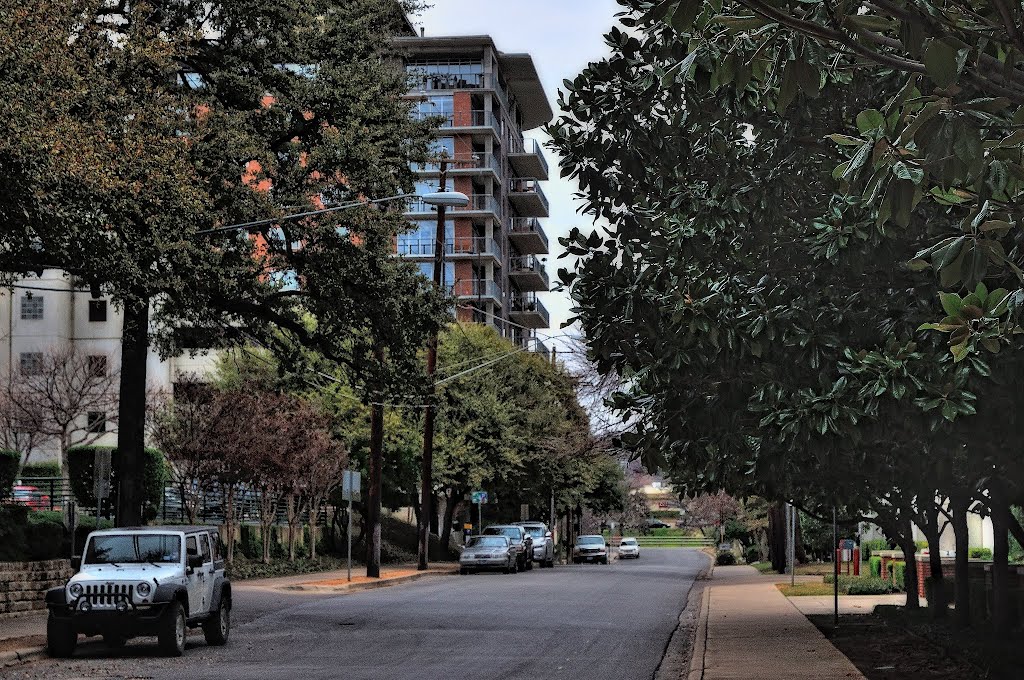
(96, 422)
(31, 307)
(97, 365)
(446, 74)
(97, 310)
(31, 363)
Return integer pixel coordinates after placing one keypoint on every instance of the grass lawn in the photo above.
(805, 589)
(812, 568)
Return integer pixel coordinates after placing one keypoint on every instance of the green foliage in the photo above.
(869, 586)
(724, 558)
(40, 470)
(873, 545)
(897, 571)
(980, 553)
(751, 554)
(80, 469)
(10, 461)
(876, 566)
(665, 514)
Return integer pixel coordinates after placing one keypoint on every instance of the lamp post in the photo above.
(443, 199)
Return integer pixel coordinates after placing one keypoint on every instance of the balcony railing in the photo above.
(528, 303)
(478, 288)
(464, 119)
(461, 245)
(528, 225)
(466, 161)
(532, 146)
(527, 186)
(477, 203)
(528, 264)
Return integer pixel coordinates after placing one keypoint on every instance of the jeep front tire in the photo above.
(172, 632)
(61, 638)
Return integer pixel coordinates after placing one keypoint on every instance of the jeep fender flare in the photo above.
(221, 591)
(169, 592)
(57, 597)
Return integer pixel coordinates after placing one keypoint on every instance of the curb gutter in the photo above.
(687, 641)
(20, 656)
(370, 585)
(699, 648)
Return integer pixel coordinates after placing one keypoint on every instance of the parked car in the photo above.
(30, 496)
(652, 523)
(520, 539)
(488, 552)
(152, 581)
(629, 548)
(590, 548)
(543, 545)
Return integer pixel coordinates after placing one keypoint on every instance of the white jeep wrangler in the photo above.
(143, 581)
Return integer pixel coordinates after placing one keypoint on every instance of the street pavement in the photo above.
(577, 621)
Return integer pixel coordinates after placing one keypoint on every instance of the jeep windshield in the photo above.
(133, 548)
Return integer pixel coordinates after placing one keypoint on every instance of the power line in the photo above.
(297, 216)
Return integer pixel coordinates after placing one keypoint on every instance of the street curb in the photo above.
(371, 585)
(681, 649)
(20, 656)
(700, 641)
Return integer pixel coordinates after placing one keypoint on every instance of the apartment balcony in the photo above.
(459, 248)
(526, 234)
(480, 290)
(530, 162)
(527, 310)
(528, 273)
(526, 196)
(468, 122)
(480, 205)
(465, 164)
(542, 349)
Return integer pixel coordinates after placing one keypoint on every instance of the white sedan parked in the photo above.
(629, 549)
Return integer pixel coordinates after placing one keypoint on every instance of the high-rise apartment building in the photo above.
(495, 246)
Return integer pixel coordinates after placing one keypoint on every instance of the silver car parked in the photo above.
(543, 545)
(488, 552)
(521, 541)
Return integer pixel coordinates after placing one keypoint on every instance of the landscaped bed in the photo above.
(895, 644)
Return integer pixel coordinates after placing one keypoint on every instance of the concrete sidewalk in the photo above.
(751, 631)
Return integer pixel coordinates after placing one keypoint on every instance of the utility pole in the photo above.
(427, 484)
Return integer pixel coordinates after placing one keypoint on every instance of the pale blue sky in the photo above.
(562, 36)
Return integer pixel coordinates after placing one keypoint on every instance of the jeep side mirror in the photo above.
(547, 534)
(195, 561)
(76, 563)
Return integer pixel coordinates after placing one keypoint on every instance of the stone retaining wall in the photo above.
(23, 585)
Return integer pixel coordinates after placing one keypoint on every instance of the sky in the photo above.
(562, 36)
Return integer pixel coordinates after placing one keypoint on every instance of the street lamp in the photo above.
(443, 199)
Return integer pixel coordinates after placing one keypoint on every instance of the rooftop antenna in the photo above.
(423, 31)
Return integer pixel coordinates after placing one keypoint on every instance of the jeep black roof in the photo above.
(164, 527)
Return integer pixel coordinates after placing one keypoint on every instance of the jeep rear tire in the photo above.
(61, 638)
(218, 626)
(172, 630)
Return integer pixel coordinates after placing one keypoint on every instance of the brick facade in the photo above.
(23, 585)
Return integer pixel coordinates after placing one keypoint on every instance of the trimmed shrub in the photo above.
(80, 467)
(751, 554)
(899, 569)
(40, 470)
(876, 567)
(9, 463)
(870, 585)
(725, 558)
(867, 548)
(980, 553)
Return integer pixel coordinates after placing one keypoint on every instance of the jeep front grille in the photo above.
(108, 594)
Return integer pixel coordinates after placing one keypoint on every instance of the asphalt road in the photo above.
(577, 621)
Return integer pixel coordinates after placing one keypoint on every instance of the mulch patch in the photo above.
(894, 643)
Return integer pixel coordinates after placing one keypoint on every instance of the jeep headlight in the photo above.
(75, 590)
(143, 589)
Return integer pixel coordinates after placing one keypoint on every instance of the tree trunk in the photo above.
(777, 537)
(434, 515)
(373, 496)
(910, 570)
(314, 515)
(449, 517)
(1000, 562)
(228, 496)
(131, 414)
(961, 586)
(937, 602)
(266, 542)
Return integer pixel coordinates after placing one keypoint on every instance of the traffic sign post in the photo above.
(101, 468)
(350, 484)
(480, 497)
